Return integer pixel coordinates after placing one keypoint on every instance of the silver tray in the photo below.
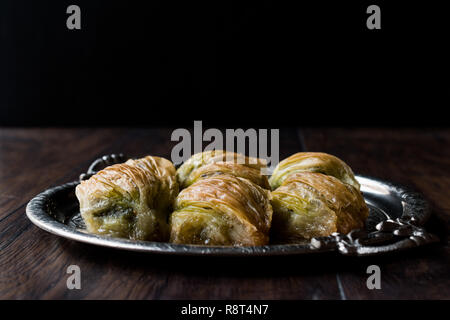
(395, 222)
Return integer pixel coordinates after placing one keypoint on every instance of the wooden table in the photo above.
(33, 263)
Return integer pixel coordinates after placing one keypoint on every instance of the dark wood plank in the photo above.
(419, 158)
(33, 262)
(31, 161)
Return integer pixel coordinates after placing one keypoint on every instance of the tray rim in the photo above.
(416, 212)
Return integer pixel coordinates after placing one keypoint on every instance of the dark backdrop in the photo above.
(228, 62)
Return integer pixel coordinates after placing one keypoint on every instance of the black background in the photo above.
(235, 63)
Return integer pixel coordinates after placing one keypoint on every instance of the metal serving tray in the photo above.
(395, 222)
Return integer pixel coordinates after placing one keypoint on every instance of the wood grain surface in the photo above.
(33, 263)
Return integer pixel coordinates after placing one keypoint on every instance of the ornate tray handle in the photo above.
(391, 235)
(101, 163)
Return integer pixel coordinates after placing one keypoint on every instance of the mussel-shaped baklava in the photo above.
(209, 163)
(130, 200)
(309, 204)
(222, 210)
(313, 162)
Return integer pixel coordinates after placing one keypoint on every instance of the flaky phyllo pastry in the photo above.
(130, 200)
(313, 162)
(225, 199)
(209, 163)
(310, 204)
(315, 197)
(222, 210)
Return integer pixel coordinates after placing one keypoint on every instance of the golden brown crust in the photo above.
(130, 200)
(311, 204)
(313, 162)
(342, 198)
(234, 169)
(230, 210)
(207, 163)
